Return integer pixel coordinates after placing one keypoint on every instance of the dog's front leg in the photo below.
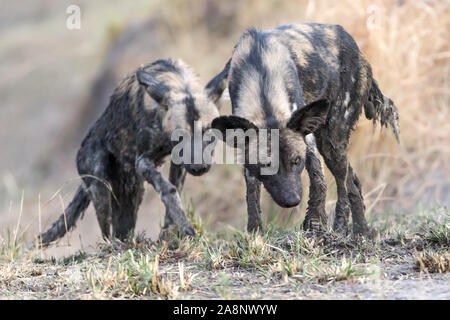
(169, 196)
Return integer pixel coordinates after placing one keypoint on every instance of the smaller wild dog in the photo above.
(127, 144)
(303, 79)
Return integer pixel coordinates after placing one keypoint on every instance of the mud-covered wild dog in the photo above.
(127, 144)
(303, 78)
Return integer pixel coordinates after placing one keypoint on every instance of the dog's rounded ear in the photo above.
(217, 85)
(157, 90)
(234, 126)
(309, 118)
(232, 122)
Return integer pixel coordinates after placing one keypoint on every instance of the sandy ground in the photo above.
(396, 283)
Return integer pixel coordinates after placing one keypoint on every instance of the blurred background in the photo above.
(56, 81)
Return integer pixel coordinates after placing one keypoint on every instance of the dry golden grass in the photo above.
(432, 262)
(236, 264)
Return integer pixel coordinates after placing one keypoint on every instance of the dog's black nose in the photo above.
(199, 169)
(288, 201)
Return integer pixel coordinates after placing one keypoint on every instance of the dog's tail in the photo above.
(382, 109)
(67, 220)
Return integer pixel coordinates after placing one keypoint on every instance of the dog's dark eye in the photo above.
(297, 161)
(266, 165)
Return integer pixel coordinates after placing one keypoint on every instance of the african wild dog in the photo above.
(303, 78)
(127, 144)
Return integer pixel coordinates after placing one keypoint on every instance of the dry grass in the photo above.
(432, 262)
(230, 265)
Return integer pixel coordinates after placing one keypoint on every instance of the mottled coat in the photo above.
(129, 141)
(304, 78)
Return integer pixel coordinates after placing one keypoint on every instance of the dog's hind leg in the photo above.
(95, 173)
(335, 155)
(360, 226)
(128, 190)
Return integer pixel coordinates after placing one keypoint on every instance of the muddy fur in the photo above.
(305, 78)
(129, 141)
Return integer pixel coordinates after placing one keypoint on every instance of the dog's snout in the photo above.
(199, 169)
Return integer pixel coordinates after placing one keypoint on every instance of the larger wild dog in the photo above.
(129, 141)
(300, 79)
